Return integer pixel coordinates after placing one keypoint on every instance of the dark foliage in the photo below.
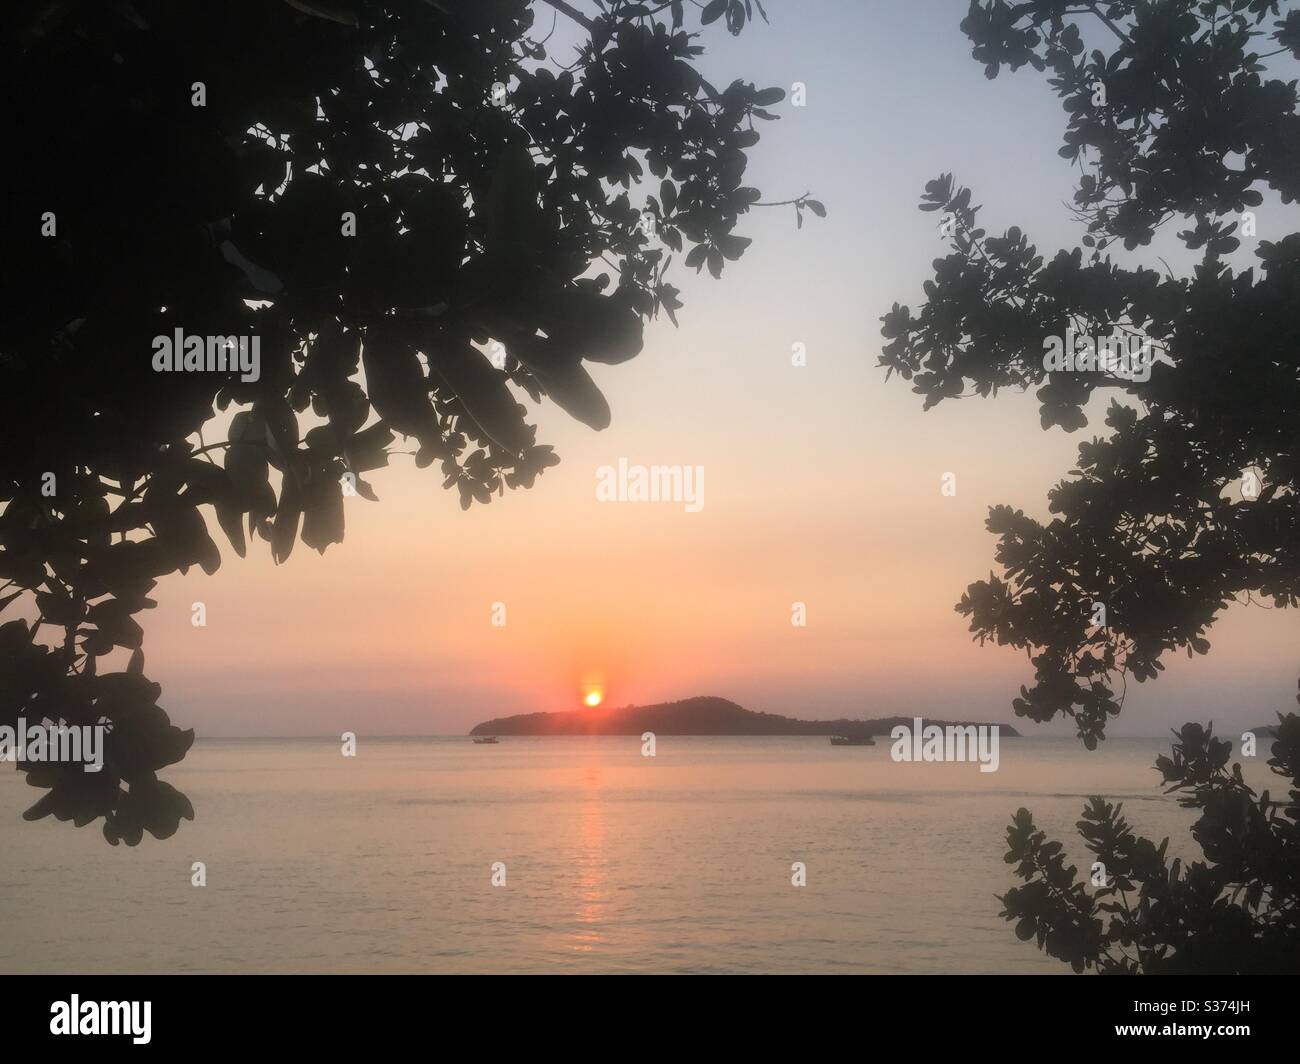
(1154, 523)
(1238, 911)
(1178, 121)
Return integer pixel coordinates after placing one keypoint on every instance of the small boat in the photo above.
(852, 740)
(486, 739)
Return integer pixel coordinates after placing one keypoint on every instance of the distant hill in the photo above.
(692, 716)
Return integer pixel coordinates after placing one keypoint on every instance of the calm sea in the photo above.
(614, 862)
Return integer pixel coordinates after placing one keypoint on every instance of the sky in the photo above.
(822, 481)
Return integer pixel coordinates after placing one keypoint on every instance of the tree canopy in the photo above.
(1189, 501)
(408, 204)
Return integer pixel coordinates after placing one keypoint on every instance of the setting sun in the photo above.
(593, 698)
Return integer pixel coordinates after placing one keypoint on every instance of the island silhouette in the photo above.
(705, 715)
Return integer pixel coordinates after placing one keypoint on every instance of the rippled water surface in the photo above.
(614, 862)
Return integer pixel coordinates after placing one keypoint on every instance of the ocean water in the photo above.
(614, 862)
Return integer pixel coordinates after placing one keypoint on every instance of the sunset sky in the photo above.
(822, 482)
